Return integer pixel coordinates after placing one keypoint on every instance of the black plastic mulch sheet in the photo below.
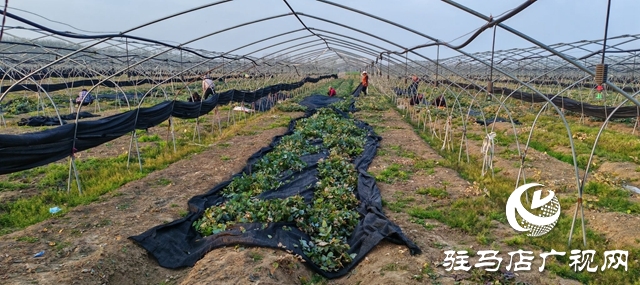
(37, 121)
(25, 151)
(178, 244)
(317, 101)
(356, 92)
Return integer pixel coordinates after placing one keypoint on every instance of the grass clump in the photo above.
(433, 192)
(392, 173)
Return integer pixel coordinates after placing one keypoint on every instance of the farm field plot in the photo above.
(320, 142)
(89, 244)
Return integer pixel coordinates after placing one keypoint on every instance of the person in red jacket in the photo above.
(332, 92)
(599, 89)
(365, 82)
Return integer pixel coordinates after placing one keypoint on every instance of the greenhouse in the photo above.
(319, 142)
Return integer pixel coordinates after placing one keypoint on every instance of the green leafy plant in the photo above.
(330, 218)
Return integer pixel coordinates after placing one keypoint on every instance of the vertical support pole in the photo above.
(579, 203)
(493, 48)
(388, 67)
(126, 43)
(173, 135)
(437, 64)
(606, 30)
(406, 67)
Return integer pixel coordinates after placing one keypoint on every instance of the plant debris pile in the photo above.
(307, 193)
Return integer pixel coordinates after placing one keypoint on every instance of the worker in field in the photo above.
(208, 88)
(599, 88)
(413, 88)
(365, 82)
(417, 99)
(440, 102)
(332, 92)
(195, 97)
(84, 98)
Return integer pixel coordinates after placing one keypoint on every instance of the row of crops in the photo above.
(329, 219)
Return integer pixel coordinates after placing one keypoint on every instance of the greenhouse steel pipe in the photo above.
(536, 42)
(350, 38)
(96, 43)
(47, 95)
(349, 54)
(143, 47)
(546, 99)
(362, 32)
(183, 71)
(286, 42)
(148, 92)
(354, 48)
(121, 34)
(303, 54)
(355, 57)
(295, 46)
(307, 28)
(380, 19)
(616, 51)
(491, 23)
(329, 61)
(88, 67)
(303, 57)
(265, 39)
(606, 30)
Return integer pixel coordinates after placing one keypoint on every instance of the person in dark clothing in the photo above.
(440, 102)
(84, 98)
(195, 97)
(413, 88)
(416, 99)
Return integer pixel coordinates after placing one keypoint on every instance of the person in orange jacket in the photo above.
(365, 82)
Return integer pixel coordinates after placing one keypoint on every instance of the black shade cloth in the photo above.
(497, 120)
(576, 106)
(82, 115)
(25, 151)
(178, 244)
(356, 92)
(37, 121)
(317, 101)
(563, 102)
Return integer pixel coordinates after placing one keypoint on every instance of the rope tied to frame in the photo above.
(488, 147)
